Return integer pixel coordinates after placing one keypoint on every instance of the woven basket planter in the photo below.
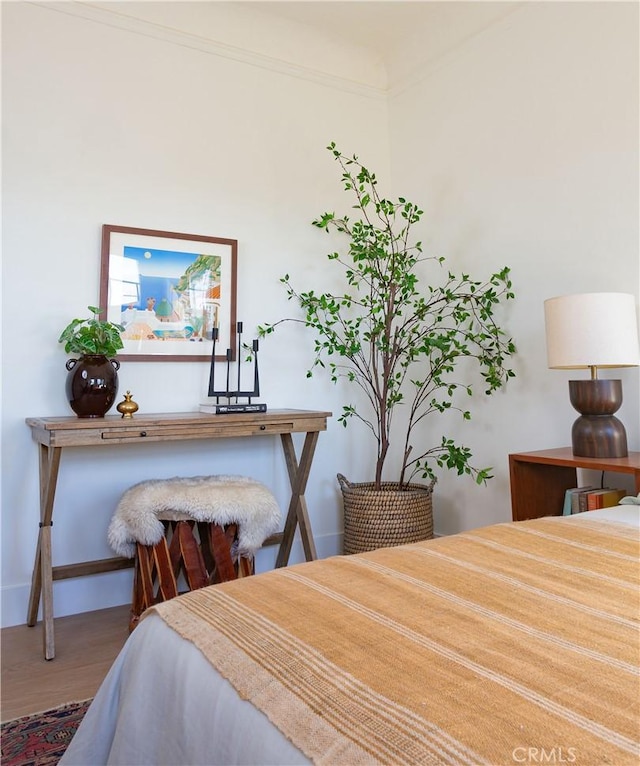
(386, 517)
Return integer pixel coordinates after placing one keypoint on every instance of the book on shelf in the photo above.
(604, 498)
(590, 498)
(575, 500)
(566, 508)
(568, 500)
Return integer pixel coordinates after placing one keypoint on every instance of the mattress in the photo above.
(205, 691)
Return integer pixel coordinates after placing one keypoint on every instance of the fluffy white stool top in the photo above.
(219, 499)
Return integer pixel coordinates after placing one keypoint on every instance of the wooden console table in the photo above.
(540, 479)
(55, 434)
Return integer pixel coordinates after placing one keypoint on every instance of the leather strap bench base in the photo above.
(199, 551)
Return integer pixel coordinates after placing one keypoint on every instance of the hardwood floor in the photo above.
(86, 646)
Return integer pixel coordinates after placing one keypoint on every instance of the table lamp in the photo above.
(591, 331)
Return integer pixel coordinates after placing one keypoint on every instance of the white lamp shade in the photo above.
(592, 330)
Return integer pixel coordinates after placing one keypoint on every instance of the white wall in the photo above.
(521, 146)
(110, 121)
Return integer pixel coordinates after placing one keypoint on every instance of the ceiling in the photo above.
(384, 27)
(372, 24)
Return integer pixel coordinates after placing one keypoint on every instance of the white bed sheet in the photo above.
(627, 514)
(162, 703)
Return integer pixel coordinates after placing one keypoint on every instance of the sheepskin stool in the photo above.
(205, 528)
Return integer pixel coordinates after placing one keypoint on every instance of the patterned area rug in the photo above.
(42, 738)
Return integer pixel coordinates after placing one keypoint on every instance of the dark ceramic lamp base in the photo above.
(597, 433)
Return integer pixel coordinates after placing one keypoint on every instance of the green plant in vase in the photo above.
(398, 341)
(92, 380)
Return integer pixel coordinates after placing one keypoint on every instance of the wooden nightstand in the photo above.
(540, 479)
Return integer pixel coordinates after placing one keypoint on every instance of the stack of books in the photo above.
(580, 499)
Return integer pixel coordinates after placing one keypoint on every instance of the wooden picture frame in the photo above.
(169, 290)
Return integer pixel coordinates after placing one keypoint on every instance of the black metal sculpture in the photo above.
(233, 396)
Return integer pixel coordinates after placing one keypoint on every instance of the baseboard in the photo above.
(101, 591)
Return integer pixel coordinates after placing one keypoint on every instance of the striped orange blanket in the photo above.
(514, 643)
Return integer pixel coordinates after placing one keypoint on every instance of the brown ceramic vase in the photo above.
(92, 385)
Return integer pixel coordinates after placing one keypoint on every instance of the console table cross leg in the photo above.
(42, 579)
(298, 513)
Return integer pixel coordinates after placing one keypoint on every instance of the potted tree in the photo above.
(92, 379)
(399, 343)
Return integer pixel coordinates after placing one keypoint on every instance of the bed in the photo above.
(512, 643)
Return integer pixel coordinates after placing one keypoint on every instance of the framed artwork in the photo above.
(169, 291)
